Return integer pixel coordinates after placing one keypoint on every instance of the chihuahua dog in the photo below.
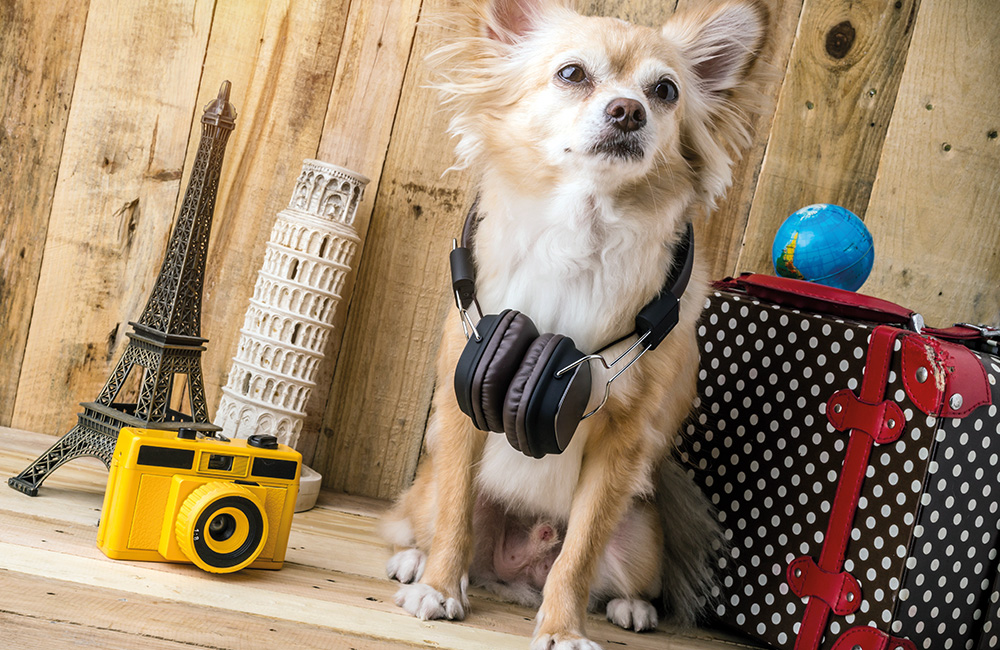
(596, 142)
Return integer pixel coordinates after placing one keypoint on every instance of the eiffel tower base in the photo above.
(95, 434)
(80, 441)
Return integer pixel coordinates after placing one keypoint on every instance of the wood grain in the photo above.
(42, 609)
(118, 183)
(39, 50)
(832, 115)
(281, 60)
(382, 387)
(362, 109)
(720, 238)
(933, 211)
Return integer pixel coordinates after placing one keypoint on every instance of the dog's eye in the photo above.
(666, 90)
(572, 73)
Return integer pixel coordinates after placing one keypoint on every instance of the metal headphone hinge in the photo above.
(608, 366)
(463, 282)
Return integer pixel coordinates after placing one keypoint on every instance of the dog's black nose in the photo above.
(626, 114)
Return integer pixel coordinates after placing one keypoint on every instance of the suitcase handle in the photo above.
(849, 304)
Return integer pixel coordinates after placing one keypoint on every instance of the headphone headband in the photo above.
(655, 320)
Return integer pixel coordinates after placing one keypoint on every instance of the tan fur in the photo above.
(491, 80)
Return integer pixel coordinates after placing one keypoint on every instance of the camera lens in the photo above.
(222, 527)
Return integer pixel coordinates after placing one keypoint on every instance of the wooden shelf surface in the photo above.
(60, 591)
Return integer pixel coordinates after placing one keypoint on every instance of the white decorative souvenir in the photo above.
(291, 312)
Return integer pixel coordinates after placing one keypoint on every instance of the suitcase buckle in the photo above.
(985, 331)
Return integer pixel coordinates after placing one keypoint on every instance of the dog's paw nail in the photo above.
(632, 614)
(453, 610)
(406, 566)
(423, 601)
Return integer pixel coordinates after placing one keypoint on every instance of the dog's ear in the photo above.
(720, 42)
(508, 21)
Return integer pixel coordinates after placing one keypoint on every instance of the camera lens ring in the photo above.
(201, 507)
(250, 546)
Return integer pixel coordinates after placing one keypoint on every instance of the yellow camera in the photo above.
(179, 496)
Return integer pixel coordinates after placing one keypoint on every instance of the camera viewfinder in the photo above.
(220, 462)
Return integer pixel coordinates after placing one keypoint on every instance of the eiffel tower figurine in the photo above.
(167, 339)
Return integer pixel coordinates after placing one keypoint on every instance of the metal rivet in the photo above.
(921, 375)
(850, 596)
(891, 423)
(857, 647)
(956, 401)
(798, 573)
(837, 408)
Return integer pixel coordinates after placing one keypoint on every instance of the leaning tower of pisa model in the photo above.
(291, 312)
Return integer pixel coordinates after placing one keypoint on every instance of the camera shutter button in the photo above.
(263, 441)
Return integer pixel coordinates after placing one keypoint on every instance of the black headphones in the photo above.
(535, 388)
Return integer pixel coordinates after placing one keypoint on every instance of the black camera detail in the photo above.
(165, 457)
(222, 526)
(274, 468)
(263, 441)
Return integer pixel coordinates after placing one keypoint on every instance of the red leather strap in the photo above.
(882, 422)
(840, 591)
(870, 638)
(845, 501)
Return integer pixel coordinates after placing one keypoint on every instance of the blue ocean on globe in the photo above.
(826, 244)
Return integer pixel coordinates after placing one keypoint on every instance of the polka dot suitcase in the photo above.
(855, 467)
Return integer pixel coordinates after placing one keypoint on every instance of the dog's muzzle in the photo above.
(621, 145)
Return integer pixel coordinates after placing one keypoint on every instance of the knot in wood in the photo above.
(839, 39)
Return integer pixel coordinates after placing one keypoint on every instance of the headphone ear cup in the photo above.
(557, 404)
(541, 410)
(469, 366)
(499, 365)
(486, 366)
(520, 391)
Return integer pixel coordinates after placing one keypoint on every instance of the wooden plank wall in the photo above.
(888, 108)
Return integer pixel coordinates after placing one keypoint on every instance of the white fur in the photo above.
(427, 603)
(520, 593)
(565, 243)
(406, 566)
(546, 642)
(397, 531)
(549, 642)
(542, 486)
(632, 614)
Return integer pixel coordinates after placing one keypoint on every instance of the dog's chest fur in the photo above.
(577, 264)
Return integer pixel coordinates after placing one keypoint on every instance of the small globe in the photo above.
(826, 244)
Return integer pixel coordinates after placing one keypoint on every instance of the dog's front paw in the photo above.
(406, 566)
(563, 642)
(426, 602)
(632, 614)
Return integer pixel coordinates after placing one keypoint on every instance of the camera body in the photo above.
(179, 496)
